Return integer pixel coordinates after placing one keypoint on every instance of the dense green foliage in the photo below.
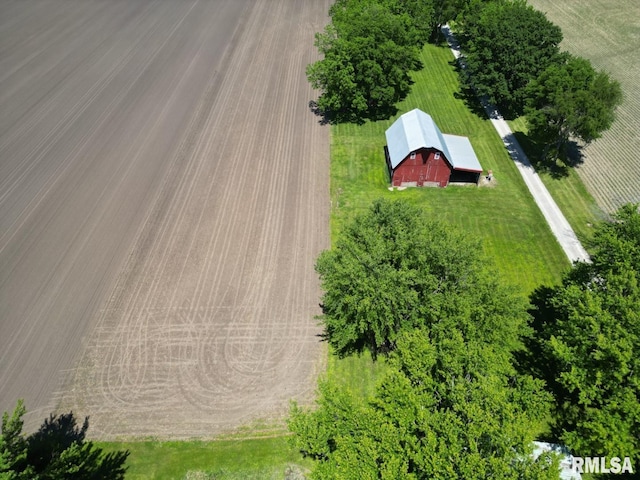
(13, 446)
(450, 409)
(513, 59)
(369, 49)
(382, 20)
(57, 450)
(506, 45)
(393, 270)
(452, 405)
(586, 344)
(571, 99)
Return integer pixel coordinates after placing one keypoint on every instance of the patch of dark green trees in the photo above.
(512, 55)
(476, 371)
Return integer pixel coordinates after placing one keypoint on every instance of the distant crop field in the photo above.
(608, 34)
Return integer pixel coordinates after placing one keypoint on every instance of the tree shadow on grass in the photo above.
(467, 93)
(470, 99)
(548, 160)
(476, 105)
(55, 435)
(475, 102)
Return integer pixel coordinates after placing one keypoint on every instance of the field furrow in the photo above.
(179, 165)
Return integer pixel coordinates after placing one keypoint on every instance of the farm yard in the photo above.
(609, 36)
(163, 196)
(164, 192)
(503, 214)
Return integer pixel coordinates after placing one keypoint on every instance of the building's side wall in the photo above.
(424, 169)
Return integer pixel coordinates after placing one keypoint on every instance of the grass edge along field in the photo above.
(231, 459)
(567, 189)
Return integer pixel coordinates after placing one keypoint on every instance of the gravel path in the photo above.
(557, 222)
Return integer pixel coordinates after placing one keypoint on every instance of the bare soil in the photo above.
(163, 197)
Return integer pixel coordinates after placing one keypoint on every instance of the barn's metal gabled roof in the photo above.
(461, 153)
(415, 130)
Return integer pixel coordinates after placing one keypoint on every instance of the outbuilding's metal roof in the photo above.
(415, 130)
(461, 153)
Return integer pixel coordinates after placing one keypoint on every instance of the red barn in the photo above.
(418, 154)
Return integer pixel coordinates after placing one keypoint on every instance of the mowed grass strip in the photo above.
(567, 189)
(267, 458)
(504, 216)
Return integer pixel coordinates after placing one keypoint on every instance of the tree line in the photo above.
(369, 48)
(477, 371)
(512, 52)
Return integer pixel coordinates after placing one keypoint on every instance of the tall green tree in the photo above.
(421, 14)
(451, 408)
(452, 405)
(457, 10)
(13, 446)
(368, 51)
(570, 99)
(506, 44)
(586, 344)
(58, 450)
(381, 20)
(394, 270)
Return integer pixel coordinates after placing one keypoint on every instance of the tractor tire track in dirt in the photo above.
(202, 318)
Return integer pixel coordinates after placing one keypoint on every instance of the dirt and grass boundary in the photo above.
(505, 217)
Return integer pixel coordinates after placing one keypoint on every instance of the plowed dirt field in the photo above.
(163, 196)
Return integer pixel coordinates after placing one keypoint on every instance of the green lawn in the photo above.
(357, 372)
(505, 217)
(268, 458)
